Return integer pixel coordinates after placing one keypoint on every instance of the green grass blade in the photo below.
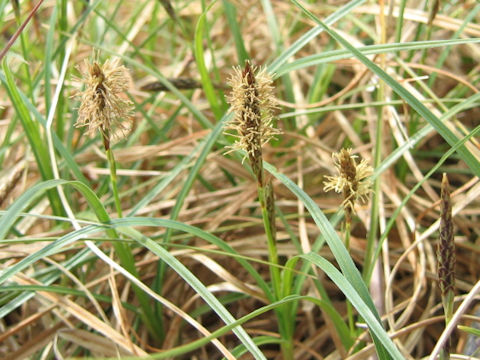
(74, 261)
(193, 174)
(210, 92)
(123, 252)
(48, 57)
(212, 239)
(51, 249)
(357, 301)
(407, 197)
(443, 56)
(34, 135)
(64, 290)
(234, 26)
(471, 102)
(337, 320)
(334, 55)
(10, 216)
(335, 244)
(163, 80)
(195, 283)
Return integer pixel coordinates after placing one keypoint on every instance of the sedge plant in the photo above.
(253, 103)
(104, 109)
(418, 122)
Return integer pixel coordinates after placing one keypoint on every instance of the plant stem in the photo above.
(126, 257)
(267, 203)
(347, 235)
(269, 225)
(113, 179)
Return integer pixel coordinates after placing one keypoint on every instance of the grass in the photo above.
(160, 245)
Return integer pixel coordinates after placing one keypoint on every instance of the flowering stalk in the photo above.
(353, 181)
(252, 102)
(446, 258)
(103, 109)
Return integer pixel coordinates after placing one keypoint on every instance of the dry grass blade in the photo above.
(9, 179)
(99, 346)
(85, 317)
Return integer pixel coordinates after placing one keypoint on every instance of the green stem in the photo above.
(351, 322)
(272, 243)
(113, 179)
(266, 199)
(127, 259)
(287, 349)
(448, 301)
(347, 235)
(374, 212)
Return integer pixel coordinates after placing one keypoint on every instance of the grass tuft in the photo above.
(164, 242)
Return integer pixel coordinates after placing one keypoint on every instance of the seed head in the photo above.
(446, 245)
(253, 103)
(102, 108)
(353, 180)
(446, 258)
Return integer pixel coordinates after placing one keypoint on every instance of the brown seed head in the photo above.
(446, 244)
(102, 107)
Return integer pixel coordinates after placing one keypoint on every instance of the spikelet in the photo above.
(446, 256)
(446, 245)
(353, 180)
(101, 106)
(253, 103)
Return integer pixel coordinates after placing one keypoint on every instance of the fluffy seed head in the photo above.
(353, 180)
(102, 107)
(253, 103)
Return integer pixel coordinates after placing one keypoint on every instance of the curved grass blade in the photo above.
(336, 245)
(10, 216)
(193, 281)
(34, 135)
(363, 309)
(334, 55)
(234, 27)
(407, 197)
(123, 252)
(327, 307)
(210, 93)
(175, 225)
